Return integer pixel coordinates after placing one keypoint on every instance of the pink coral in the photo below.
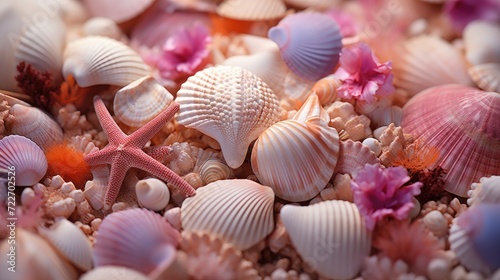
(362, 75)
(461, 12)
(379, 193)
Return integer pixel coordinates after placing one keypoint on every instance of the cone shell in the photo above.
(330, 236)
(25, 156)
(296, 158)
(239, 211)
(152, 194)
(117, 10)
(486, 191)
(461, 122)
(139, 102)
(310, 43)
(353, 156)
(97, 60)
(229, 104)
(255, 10)
(481, 40)
(486, 76)
(113, 273)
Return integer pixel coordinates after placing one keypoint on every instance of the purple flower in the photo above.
(380, 192)
(461, 12)
(362, 75)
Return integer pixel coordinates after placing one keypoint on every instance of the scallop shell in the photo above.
(215, 169)
(34, 124)
(296, 159)
(353, 156)
(481, 40)
(117, 10)
(71, 242)
(239, 211)
(326, 89)
(101, 26)
(256, 10)
(229, 104)
(97, 60)
(310, 43)
(461, 122)
(330, 236)
(139, 102)
(486, 76)
(152, 194)
(486, 191)
(25, 156)
(113, 273)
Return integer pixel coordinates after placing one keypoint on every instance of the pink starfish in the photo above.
(125, 151)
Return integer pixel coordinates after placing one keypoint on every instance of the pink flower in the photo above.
(379, 193)
(461, 12)
(362, 75)
(345, 21)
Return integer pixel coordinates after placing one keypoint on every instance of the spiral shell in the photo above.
(152, 194)
(486, 191)
(213, 170)
(326, 89)
(255, 10)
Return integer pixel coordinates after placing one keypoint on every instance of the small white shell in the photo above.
(152, 194)
(481, 40)
(239, 211)
(486, 76)
(113, 273)
(374, 145)
(140, 101)
(255, 10)
(486, 191)
(436, 223)
(213, 170)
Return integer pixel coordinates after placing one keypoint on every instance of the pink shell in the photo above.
(353, 155)
(462, 123)
(310, 43)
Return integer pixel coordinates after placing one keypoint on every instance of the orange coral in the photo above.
(416, 157)
(67, 162)
(81, 97)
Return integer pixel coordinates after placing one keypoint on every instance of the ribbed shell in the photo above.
(229, 104)
(117, 10)
(326, 89)
(152, 194)
(310, 109)
(462, 123)
(353, 156)
(25, 156)
(330, 236)
(239, 211)
(486, 191)
(252, 10)
(310, 43)
(97, 60)
(296, 158)
(213, 170)
(486, 76)
(113, 273)
(140, 101)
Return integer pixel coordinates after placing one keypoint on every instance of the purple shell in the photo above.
(310, 43)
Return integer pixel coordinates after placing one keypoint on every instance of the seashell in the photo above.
(84, 60)
(71, 242)
(481, 40)
(461, 122)
(239, 211)
(139, 102)
(353, 156)
(486, 191)
(330, 236)
(215, 169)
(313, 4)
(374, 145)
(14, 98)
(117, 10)
(485, 76)
(136, 238)
(436, 223)
(102, 26)
(310, 109)
(113, 273)
(34, 124)
(310, 43)
(326, 89)
(295, 158)
(27, 159)
(229, 104)
(95, 190)
(474, 238)
(152, 194)
(256, 10)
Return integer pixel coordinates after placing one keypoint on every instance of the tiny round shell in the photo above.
(113, 273)
(152, 194)
(486, 191)
(255, 10)
(374, 145)
(436, 223)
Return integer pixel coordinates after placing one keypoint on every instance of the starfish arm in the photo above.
(98, 157)
(114, 133)
(118, 170)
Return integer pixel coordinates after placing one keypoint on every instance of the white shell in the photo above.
(486, 76)
(25, 156)
(486, 191)
(113, 273)
(353, 156)
(101, 26)
(481, 40)
(140, 101)
(255, 10)
(152, 194)
(330, 236)
(213, 170)
(117, 10)
(436, 223)
(229, 104)
(239, 211)
(374, 145)
(97, 60)
(71, 242)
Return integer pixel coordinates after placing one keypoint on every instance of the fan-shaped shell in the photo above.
(152, 194)
(310, 43)
(229, 104)
(252, 10)
(296, 158)
(481, 40)
(486, 191)
(353, 156)
(462, 123)
(239, 211)
(27, 159)
(71, 242)
(113, 273)
(330, 236)
(117, 10)
(139, 102)
(486, 76)
(97, 60)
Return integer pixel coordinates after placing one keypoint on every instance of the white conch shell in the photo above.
(98, 60)
(481, 40)
(111, 272)
(255, 10)
(229, 104)
(140, 101)
(486, 191)
(239, 211)
(330, 236)
(117, 10)
(486, 76)
(152, 194)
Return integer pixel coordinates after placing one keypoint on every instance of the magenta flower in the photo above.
(345, 21)
(362, 75)
(379, 193)
(461, 12)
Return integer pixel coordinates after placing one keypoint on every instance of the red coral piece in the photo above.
(36, 84)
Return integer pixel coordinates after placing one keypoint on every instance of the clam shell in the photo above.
(71, 242)
(139, 102)
(97, 60)
(117, 10)
(25, 156)
(152, 194)
(326, 89)
(239, 211)
(486, 191)
(296, 159)
(486, 76)
(310, 43)
(353, 156)
(330, 236)
(101, 26)
(255, 10)
(229, 104)
(481, 40)
(113, 273)
(461, 122)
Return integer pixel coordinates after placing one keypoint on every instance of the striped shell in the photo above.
(310, 43)
(486, 76)
(140, 101)
(117, 10)
(326, 89)
(481, 40)
(27, 159)
(255, 10)
(486, 191)
(461, 122)
(113, 273)
(229, 104)
(239, 211)
(213, 170)
(97, 60)
(330, 236)
(152, 194)
(353, 156)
